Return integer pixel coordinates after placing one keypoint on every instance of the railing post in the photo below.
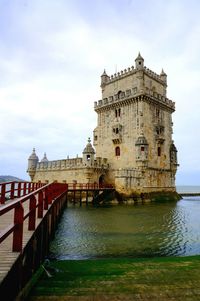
(18, 231)
(24, 189)
(19, 190)
(29, 187)
(40, 204)
(46, 198)
(12, 190)
(32, 216)
(3, 190)
(50, 194)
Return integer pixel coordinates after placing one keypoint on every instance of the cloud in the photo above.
(52, 54)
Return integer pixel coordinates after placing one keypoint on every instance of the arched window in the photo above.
(119, 94)
(159, 151)
(117, 151)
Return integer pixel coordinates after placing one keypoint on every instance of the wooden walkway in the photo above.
(22, 248)
(7, 256)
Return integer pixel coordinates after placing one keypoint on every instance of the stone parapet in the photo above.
(130, 71)
(131, 95)
(73, 163)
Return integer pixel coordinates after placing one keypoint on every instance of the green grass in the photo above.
(171, 278)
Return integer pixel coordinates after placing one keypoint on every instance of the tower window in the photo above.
(117, 112)
(142, 148)
(157, 113)
(119, 94)
(88, 157)
(159, 151)
(117, 151)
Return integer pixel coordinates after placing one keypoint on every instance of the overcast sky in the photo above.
(52, 53)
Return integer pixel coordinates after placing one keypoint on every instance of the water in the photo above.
(164, 229)
(188, 189)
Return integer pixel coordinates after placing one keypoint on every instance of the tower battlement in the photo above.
(70, 163)
(130, 71)
(133, 95)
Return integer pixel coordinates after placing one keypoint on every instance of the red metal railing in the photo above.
(38, 201)
(86, 186)
(11, 190)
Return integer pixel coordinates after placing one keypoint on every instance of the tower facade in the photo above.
(134, 130)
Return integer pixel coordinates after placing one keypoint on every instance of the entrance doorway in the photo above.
(101, 180)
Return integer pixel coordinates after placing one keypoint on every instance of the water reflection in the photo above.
(163, 229)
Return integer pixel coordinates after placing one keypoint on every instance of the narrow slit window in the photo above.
(159, 151)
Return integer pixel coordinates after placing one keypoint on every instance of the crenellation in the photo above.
(132, 93)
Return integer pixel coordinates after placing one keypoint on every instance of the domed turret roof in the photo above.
(163, 73)
(139, 57)
(89, 148)
(44, 159)
(104, 73)
(33, 156)
(141, 140)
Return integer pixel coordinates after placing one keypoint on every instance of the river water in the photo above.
(145, 230)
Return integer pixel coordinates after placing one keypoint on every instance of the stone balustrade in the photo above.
(70, 164)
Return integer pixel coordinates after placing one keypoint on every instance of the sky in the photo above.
(52, 54)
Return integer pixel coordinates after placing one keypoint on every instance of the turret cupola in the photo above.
(44, 159)
(88, 154)
(32, 164)
(163, 76)
(104, 79)
(139, 62)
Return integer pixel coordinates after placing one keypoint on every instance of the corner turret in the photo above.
(88, 154)
(141, 150)
(163, 76)
(173, 156)
(104, 79)
(139, 62)
(32, 164)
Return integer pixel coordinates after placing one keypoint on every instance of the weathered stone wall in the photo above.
(72, 175)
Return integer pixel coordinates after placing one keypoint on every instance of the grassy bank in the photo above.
(171, 278)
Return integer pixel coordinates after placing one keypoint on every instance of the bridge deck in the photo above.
(7, 256)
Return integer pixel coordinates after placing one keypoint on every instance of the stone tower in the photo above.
(134, 130)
